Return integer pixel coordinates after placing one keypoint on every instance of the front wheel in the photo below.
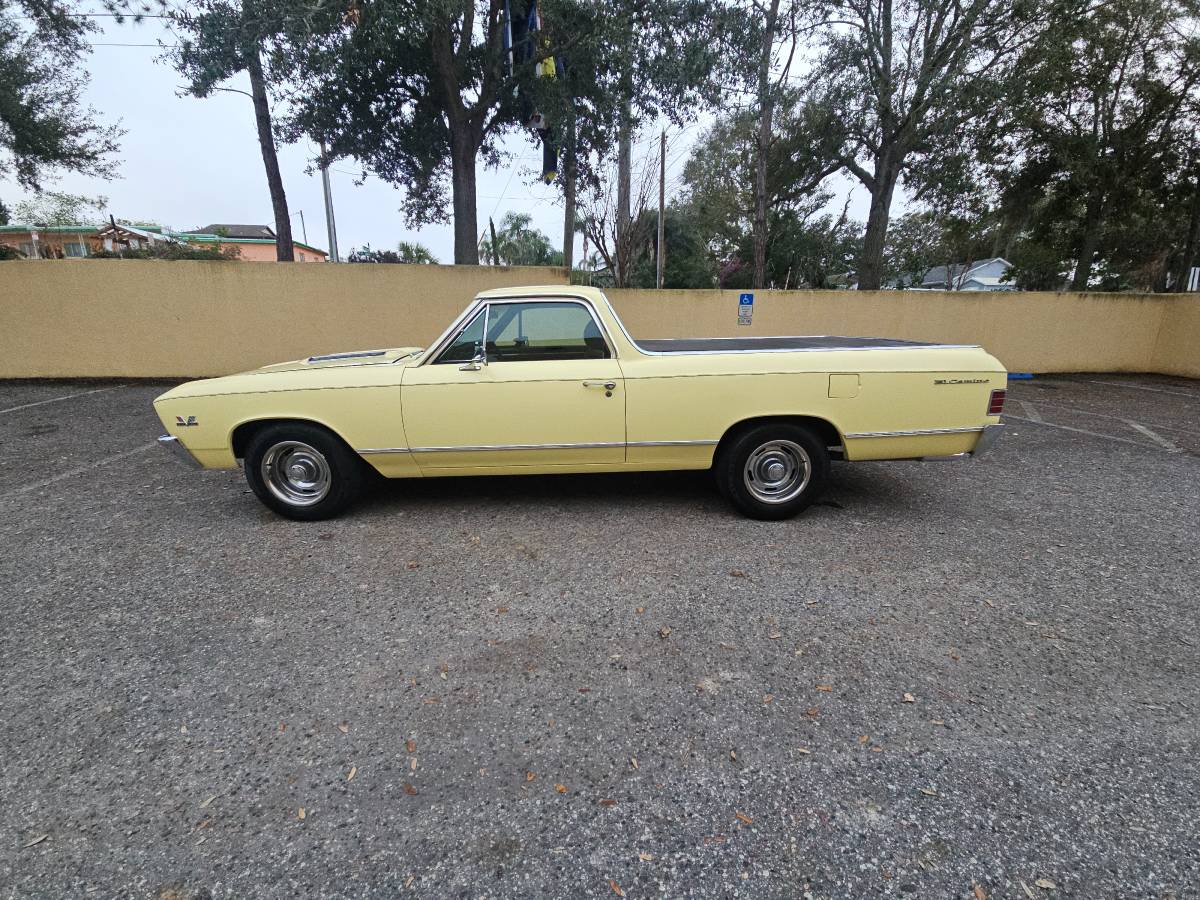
(302, 471)
(773, 471)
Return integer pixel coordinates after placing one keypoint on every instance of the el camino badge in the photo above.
(184, 423)
(960, 381)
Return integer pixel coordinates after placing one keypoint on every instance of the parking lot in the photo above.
(963, 679)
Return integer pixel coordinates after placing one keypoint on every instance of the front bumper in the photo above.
(175, 447)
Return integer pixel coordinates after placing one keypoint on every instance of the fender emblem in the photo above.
(184, 423)
(960, 381)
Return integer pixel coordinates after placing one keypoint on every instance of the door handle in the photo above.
(607, 385)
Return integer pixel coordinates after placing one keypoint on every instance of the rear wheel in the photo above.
(302, 471)
(773, 471)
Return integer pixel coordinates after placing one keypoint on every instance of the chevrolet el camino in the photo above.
(547, 380)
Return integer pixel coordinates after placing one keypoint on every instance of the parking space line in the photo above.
(1096, 415)
(1157, 438)
(79, 470)
(1096, 434)
(60, 399)
(1031, 410)
(1142, 387)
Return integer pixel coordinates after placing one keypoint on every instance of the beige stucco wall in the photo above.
(134, 318)
(126, 318)
(1028, 332)
(1177, 350)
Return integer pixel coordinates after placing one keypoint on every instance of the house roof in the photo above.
(234, 232)
(959, 271)
(204, 237)
(48, 229)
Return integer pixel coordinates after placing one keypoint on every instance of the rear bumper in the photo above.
(987, 440)
(175, 447)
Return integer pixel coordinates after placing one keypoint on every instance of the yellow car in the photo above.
(547, 380)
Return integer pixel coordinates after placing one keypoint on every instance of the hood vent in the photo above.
(357, 355)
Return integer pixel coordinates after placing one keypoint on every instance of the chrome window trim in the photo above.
(503, 447)
(465, 322)
(587, 304)
(914, 432)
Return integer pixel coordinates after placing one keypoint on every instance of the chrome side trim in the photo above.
(481, 448)
(175, 447)
(915, 432)
(672, 444)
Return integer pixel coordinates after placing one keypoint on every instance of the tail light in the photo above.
(996, 403)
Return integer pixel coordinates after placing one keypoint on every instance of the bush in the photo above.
(171, 251)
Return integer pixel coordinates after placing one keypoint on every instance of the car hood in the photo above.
(391, 356)
(298, 373)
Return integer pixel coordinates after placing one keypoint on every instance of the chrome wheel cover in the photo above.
(777, 471)
(296, 473)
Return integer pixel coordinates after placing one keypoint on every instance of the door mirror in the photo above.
(477, 362)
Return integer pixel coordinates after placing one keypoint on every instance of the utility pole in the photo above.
(330, 225)
(303, 229)
(662, 193)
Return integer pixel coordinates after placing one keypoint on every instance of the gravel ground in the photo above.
(947, 680)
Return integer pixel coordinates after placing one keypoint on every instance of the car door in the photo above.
(547, 393)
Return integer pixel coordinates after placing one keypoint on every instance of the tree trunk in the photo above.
(870, 267)
(1184, 270)
(1089, 240)
(284, 251)
(569, 174)
(462, 176)
(624, 188)
(766, 110)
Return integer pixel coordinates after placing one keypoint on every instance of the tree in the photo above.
(407, 252)
(58, 208)
(901, 74)
(729, 200)
(43, 127)
(1105, 109)
(222, 39)
(415, 254)
(617, 236)
(518, 243)
(421, 92)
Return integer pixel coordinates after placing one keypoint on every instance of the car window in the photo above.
(523, 332)
(462, 347)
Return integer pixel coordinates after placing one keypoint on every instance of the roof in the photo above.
(261, 232)
(49, 229)
(544, 290)
(203, 237)
(958, 271)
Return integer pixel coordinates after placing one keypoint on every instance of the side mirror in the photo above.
(477, 362)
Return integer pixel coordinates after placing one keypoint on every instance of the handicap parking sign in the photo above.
(745, 308)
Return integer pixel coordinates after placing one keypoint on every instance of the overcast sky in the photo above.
(186, 163)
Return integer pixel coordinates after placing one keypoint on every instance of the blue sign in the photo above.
(745, 300)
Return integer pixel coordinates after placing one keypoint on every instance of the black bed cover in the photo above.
(732, 345)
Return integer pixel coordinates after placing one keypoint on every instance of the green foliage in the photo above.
(8, 252)
(43, 127)
(57, 208)
(171, 251)
(518, 243)
(406, 252)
